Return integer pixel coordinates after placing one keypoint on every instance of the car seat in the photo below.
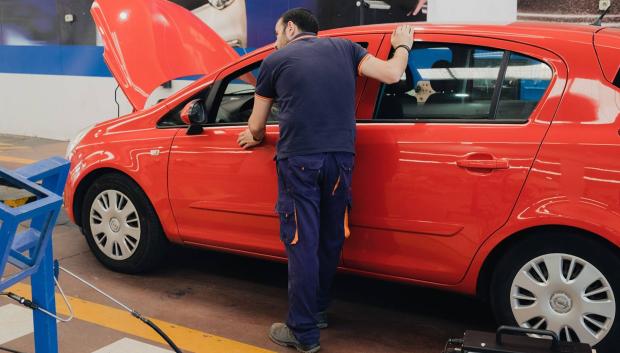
(444, 88)
(395, 98)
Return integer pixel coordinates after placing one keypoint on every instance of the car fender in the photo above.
(144, 160)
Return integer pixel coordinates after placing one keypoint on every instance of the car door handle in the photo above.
(483, 163)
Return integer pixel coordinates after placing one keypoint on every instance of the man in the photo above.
(313, 81)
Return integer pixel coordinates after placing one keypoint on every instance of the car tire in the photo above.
(566, 283)
(121, 226)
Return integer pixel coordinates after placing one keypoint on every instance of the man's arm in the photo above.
(255, 132)
(392, 70)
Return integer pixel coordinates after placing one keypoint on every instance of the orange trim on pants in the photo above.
(296, 238)
(347, 231)
(336, 187)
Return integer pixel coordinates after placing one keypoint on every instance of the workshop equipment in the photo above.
(514, 340)
(25, 238)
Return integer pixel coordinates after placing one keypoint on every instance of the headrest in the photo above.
(444, 85)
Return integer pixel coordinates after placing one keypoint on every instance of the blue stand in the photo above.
(30, 251)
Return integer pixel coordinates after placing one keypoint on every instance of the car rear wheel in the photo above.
(565, 283)
(121, 226)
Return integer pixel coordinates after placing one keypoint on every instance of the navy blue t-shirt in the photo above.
(313, 82)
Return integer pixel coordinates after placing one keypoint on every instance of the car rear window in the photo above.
(617, 80)
(446, 81)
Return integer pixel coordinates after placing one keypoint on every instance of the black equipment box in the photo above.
(514, 340)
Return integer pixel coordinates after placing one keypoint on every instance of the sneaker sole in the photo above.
(284, 344)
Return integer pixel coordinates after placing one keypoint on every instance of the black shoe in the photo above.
(282, 335)
(321, 320)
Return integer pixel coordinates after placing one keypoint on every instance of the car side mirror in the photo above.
(193, 114)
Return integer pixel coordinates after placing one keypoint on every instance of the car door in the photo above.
(224, 196)
(442, 155)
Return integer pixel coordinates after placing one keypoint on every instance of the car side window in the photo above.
(236, 98)
(525, 82)
(462, 82)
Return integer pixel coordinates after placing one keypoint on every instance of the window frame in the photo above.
(214, 101)
(551, 60)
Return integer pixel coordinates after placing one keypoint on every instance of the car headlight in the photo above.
(76, 140)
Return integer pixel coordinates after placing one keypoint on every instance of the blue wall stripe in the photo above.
(74, 60)
(70, 60)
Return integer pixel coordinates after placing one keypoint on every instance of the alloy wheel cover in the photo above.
(565, 294)
(114, 224)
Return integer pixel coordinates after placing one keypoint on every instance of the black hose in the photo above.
(158, 330)
(9, 350)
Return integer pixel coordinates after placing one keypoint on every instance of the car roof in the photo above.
(524, 30)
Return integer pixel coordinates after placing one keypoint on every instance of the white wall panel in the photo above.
(56, 107)
(478, 11)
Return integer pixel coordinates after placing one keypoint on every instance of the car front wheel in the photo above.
(121, 226)
(565, 283)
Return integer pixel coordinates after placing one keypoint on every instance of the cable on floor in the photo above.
(4, 349)
(134, 313)
(30, 304)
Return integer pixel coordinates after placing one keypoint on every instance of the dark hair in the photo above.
(303, 18)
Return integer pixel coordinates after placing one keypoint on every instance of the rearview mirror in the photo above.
(193, 114)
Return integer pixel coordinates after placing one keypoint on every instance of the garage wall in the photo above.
(442, 11)
(55, 83)
(55, 106)
(54, 80)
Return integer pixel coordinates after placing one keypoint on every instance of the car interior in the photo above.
(460, 83)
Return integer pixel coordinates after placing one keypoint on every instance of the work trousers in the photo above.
(314, 200)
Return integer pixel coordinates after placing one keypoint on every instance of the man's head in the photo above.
(293, 22)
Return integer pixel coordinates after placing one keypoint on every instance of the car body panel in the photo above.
(149, 43)
(574, 180)
(427, 205)
(138, 151)
(577, 123)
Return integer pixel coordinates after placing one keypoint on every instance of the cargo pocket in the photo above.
(288, 220)
(304, 171)
(342, 187)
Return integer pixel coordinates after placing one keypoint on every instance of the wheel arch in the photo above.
(486, 271)
(86, 183)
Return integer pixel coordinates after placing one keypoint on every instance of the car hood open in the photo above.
(149, 42)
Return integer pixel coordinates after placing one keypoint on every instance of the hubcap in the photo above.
(561, 302)
(565, 294)
(114, 224)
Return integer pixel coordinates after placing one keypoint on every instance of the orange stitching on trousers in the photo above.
(336, 186)
(296, 230)
(347, 231)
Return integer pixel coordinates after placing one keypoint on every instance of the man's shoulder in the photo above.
(275, 57)
(339, 41)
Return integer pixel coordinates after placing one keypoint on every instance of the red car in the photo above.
(492, 168)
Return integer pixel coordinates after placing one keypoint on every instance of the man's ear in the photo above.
(290, 28)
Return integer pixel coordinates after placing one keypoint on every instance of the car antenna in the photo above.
(600, 18)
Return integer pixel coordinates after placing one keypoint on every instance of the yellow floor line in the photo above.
(16, 160)
(120, 320)
(10, 148)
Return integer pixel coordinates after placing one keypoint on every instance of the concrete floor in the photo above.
(238, 298)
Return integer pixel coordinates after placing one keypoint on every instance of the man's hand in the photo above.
(392, 70)
(246, 140)
(402, 35)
